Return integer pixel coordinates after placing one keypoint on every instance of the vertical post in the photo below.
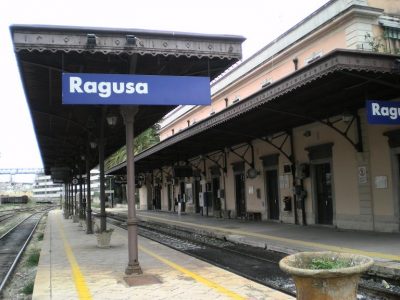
(102, 215)
(71, 199)
(80, 195)
(89, 227)
(65, 200)
(75, 204)
(128, 113)
(84, 199)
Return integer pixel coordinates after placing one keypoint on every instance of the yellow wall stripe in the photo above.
(79, 279)
(193, 275)
(286, 240)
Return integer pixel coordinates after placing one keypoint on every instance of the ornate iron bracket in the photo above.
(350, 120)
(354, 117)
(222, 155)
(271, 140)
(196, 166)
(248, 146)
(165, 172)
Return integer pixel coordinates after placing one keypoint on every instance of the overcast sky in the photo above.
(260, 21)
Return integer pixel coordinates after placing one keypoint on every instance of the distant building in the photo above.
(45, 190)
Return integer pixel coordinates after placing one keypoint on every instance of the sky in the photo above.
(259, 22)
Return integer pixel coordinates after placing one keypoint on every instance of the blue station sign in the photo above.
(383, 112)
(126, 89)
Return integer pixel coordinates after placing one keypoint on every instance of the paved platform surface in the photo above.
(71, 266)
(289, 238)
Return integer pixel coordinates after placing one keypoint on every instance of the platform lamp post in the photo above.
(133, 268)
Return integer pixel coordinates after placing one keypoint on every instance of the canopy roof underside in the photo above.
(45, 52)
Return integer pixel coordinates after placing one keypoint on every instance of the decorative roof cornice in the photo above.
(142, 42)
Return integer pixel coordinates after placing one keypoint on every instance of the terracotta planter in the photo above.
(326, 284)
(104, 238)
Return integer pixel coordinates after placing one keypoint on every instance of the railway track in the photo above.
(253, 263)
(14, 242)
(7, 214)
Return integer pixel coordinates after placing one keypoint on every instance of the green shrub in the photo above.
(40, 236)
(33, 258)
(328, 264)
(28, 289)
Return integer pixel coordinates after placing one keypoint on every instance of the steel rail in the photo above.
(12, 267)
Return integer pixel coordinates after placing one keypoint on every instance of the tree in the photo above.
(143, 141)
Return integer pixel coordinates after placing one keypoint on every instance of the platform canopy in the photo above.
(340, 82)
(45, 52)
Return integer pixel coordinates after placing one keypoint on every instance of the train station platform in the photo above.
(289, 238)
(71, 266)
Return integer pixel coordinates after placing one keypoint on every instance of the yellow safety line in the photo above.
(79, 279)
(290, 241)
(195, 276)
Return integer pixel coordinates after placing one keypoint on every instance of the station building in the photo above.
(286, 137)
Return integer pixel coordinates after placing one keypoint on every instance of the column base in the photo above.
(134, 269)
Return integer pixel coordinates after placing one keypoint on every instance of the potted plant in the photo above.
(326, 275)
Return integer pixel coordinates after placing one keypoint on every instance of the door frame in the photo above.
(267, 210)
(244, 193)
(314, 191)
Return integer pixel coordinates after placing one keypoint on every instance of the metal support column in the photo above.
(89, 227)
(65, 200)
(71, 199)
(75, 202)
(128, 113)
(102, 215)
(81, 213)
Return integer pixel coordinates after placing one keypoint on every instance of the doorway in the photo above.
(271, 183)
(169, 187)
(182, 194)
(240, 195)
(323, 193)
(215, 188)
(157, 197)
(197, 190)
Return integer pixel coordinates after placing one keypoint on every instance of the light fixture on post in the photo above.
(93, 144)
(83, 157)
(112, 120)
